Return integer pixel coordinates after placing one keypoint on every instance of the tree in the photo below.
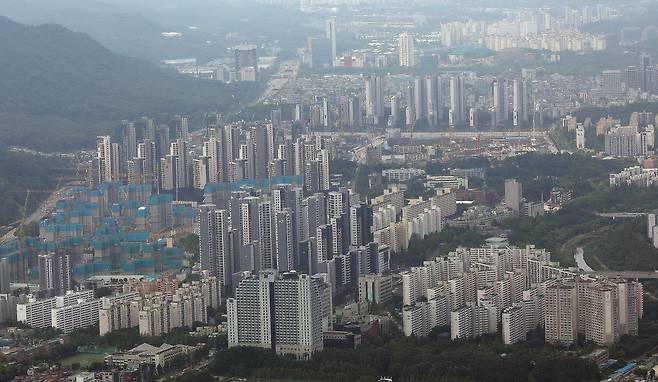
(179, 361)
(415, 189)
(96, 365)
(190, 244)
(212, 312)
(344, 167)
(102, 292)
(434, 358)
(436, 244)
(362, 183)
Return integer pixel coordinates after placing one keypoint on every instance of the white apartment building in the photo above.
(392, 196)
(472, 321)
(154, 318)
(82, 313)
(580, 137)
(185, 310)
(282, 312)
(635, 176)
(415, 320)
(411, 288)
(514, 325)
(189, 304)
(421, 318)
(446, 200)
(602, 314)
(383, 217)
(38, 313)
(118, 315)
(533, 308)
(426, 223)
(475, 289)
(439, 313)
(406, 49)
(394, 236)
(561, 314)
(79, 315)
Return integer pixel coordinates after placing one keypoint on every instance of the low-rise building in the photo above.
(446, 181)
(146, 354)
(402, 175)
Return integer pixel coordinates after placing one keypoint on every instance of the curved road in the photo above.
(579, 257)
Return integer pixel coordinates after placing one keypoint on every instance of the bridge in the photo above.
(428, 135)
(640, 275)
(420, 135)
(621, 215)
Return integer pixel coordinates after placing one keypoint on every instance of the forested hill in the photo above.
(60, 88)
(20, 172)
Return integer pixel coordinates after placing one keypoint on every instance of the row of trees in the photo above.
(539, 173)
(128, 338)
(438, 244)
(411, 359)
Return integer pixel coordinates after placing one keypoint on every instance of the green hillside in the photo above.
(20, 172)
(60, 88)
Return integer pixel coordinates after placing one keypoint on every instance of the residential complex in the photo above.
(157, 313)
(327, 200)
(474, 290)
(635, 176)
(286, 313)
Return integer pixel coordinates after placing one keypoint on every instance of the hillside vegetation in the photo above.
(20, 172)
(60, 88)
(577, 224)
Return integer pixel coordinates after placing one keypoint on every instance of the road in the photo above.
(621, 215)
(425, 135)
(44, 210)
(287, 71)
(420, 135)
(641, 275)
(203, 363)
(579, 256)
(552, 145)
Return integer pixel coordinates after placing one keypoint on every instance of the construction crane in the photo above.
(479, 143)
(20, 231)
(341, 132)
(411, 135)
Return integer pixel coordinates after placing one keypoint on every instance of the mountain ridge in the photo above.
(52, 73)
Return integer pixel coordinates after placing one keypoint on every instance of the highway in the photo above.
(426, 135)
(579, 257)
(420, 135)
(44, 210)
(621, 215)
(640, 275)
(287, 71)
